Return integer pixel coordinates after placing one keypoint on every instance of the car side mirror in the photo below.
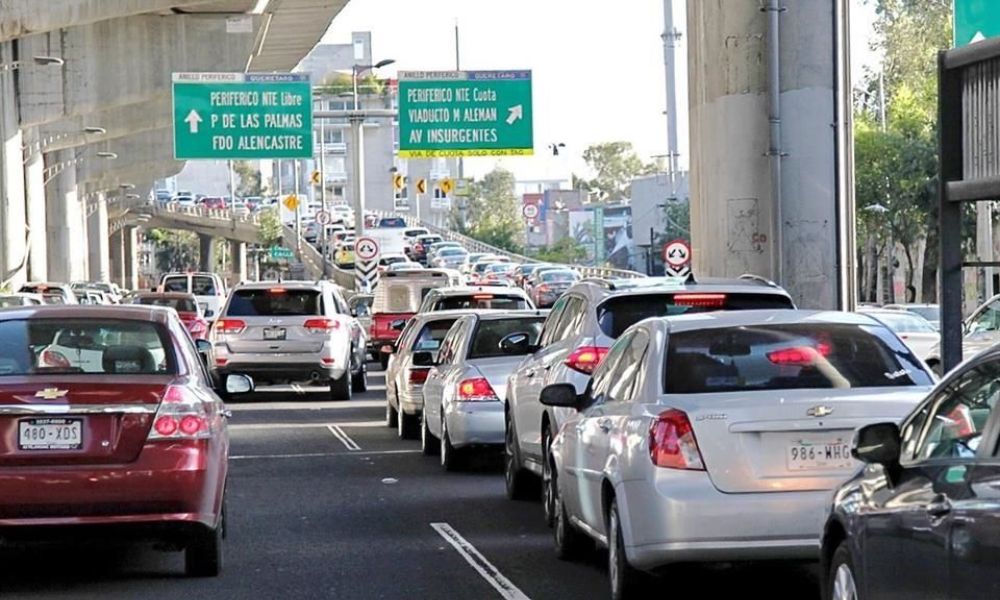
(203, 346)
(398, 325)
(209, 313)
(561, 395)
(238, 384)
(423, 359)
(878, 444)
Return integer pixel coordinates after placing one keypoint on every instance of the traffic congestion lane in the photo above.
(311, 517)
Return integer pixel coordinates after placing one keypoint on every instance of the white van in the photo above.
(208, 289)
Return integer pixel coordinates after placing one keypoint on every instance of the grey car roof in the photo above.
(748, 318)
(495, 315)
(602, 289)
(296, 285)
(477, 289)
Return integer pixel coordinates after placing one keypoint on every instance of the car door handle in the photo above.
(605, 425)
(939, 506)
(530, 373)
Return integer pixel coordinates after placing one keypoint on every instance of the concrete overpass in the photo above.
(85, 113)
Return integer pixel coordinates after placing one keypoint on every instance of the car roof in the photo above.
(125, 312)
(295, 285)
(477, 289)
(493, 315)
(748, 318)
(655, 285)
(165, 295)
(440, 315)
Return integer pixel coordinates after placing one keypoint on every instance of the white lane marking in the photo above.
(298, 389)
(259, 426)
(321, 454)
(311, 406)
(484, 567)
(345, 439)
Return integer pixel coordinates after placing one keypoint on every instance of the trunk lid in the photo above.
(496, 371)
(280, 335)
(786, 440)
(77, 420)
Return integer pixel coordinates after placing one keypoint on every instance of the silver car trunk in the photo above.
(496, 370)
(280, 335)
(786, 440)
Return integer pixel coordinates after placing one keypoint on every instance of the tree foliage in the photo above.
(248, 177)
(174, 250)
(615, 165)
(342, 83)
(270, 231)
(493, 213)
(565, 251)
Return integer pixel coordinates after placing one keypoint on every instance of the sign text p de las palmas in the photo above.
(242, 115)
(465, 113)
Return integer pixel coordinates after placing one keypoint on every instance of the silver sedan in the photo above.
(465, 392)
(718, 436)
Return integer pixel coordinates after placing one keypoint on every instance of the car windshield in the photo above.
(428, 241)
(118, 347)
(490, 332)
(392, 222)
(389, 260)
(451, 251)
(185, 305)
(930, 313)
(175, 284)
(619, 313)
(903, 322)
(431, 335)
(9, 301)
(202, 285)
(274, 302)
(780, 357)
(560, 276)
(482, 301)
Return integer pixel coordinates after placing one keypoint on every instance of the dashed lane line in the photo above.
(345, 439)
(490, 573)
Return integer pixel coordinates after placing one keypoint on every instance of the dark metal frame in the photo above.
(969, 154)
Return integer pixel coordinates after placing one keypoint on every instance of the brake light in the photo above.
(586, 358)
(700, 300)
(477, 389)
(482, 297)
(672, 444)
(277, 291)
(181, 415)
(417, 376)
(51, 358)
(321, 325)
(800, 355)
(230, 326)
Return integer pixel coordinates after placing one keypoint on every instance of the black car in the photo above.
(922, 519)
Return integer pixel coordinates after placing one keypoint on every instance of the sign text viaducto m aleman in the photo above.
(242, 115)
(465, 113)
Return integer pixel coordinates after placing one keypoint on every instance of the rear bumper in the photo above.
(411, 399)
(679, 516)
(475, 423)
(294, 371)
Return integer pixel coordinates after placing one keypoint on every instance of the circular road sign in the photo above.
(676, 253)
(323, 217)
(530, 211)
(366, 248)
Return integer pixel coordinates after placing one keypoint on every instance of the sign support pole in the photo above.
(358, 157)
(298, 212)
(322, 194)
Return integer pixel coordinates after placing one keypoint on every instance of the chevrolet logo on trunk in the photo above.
(51, 393)
(819, 411)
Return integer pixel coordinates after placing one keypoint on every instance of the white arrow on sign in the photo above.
(516, 112)
(192, 120)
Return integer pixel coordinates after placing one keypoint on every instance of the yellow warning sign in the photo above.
(446, 185)
(291, 202)
(398, 181)
(421, 186)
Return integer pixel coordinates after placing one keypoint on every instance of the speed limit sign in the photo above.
(530, 211)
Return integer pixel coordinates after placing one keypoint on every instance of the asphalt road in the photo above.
(326, 502)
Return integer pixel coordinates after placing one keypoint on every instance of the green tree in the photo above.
(270, 231)
(174, 250)
(565, 251)
(341, 83)
(615, 165)
(248, 177)
(493, 213)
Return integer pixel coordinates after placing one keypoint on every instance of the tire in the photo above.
(570, 543)
(406, 425)
(935, 366)
(429, 444)
(203, 553)
(625, 580)
(549, 492)
(516, 479)
(340, 389)
(359, 380)
(841, 581)
(391, 414)
(383, 359)
(450, 457)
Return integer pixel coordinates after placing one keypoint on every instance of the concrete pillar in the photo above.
(67, 243)
(97, 238)
(13, 234)
(34, 206)
(116, 252)
(238, 256)
(131, 251)
(207, 253)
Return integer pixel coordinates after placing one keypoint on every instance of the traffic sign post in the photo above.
(228, 116)
(366, 255)
(677, 258)
(976, 20)
(323, 217)
(530, 211)
(465, 113)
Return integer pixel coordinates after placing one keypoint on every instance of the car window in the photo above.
(987, 320)
(431, 335)
(904, 322)
(111, 347)
(625, 378)
(178, 304)
(619, 313)
(340, 304)
(451, 343)
(489, 333)
(482, 301)
(951, 425)
(604, 376)
(274, 302)
(552, 322)
(560, 276)
(176, 284)
(796, 356)
(203, 286)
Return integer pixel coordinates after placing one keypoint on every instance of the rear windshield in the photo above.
(46, 346)
(484, 301)
(618, 314)
(175, 284)
(277, 302)
(179, 304)
(486, 340)
(903, 322)
(427, 241)
(392, 222)
(559, 276)
(781, 357)
(203, 286)
(431, 335)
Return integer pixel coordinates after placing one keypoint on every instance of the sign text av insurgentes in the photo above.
(465, 113)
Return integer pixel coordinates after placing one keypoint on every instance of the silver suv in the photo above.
(479, 297)
(583, 324)
(292, 331)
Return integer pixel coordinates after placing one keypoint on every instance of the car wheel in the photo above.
(449, 454)
(340, 389)
(841, 582)
(935, 366)
(625, 580)
(383, 359)
(516, 478)
(203, 554)
(390, 414)
(359, 381)
(405, 424)
(548, 479)
(428, 443)
(569, 542)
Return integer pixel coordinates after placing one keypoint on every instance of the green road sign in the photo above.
(279, 253)
(976, 20)
(242, 115)
(465, 113)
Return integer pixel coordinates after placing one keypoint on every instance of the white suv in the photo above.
(583, 324)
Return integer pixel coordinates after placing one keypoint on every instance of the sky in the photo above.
(597, 65)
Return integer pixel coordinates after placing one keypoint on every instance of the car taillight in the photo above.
(544, 288)
(321, 325)
(672, 444)
(799, 355)
(51, 358)
(586, 358)
(181, 415)
(417, 376)
(198, 327)
(477, 389)
(700, 300)
(230, 326)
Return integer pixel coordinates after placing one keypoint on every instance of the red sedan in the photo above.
(109, 425)
(187, 308)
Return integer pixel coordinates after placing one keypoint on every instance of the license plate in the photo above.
(817, 455)
(274, 333)
(50, 434)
